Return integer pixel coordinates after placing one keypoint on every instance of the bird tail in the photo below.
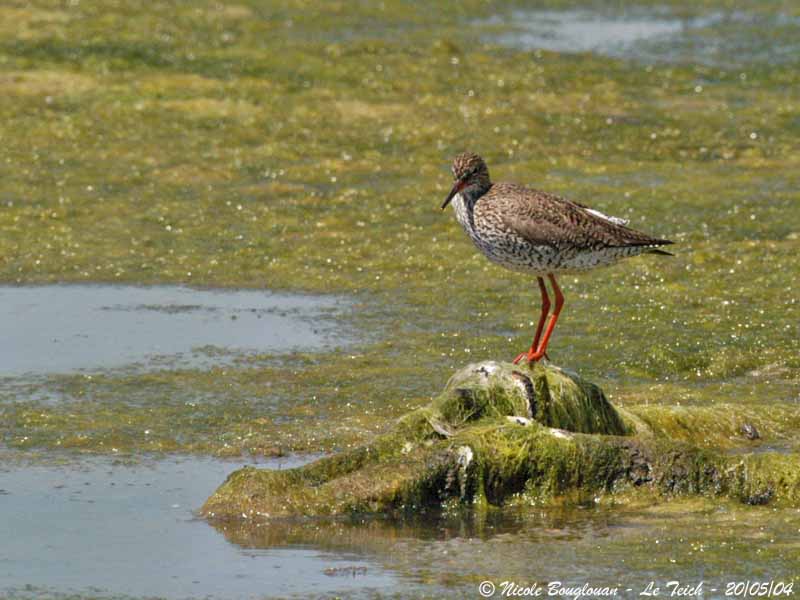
(658, 251)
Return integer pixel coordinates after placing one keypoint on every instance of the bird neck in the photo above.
(473, 192)
(464, 205)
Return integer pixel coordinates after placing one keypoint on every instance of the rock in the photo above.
(501, 434)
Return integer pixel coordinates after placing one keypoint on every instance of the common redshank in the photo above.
(541, 234)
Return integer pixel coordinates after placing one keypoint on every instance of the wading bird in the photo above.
(541, 234)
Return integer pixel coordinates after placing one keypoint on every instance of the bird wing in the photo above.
(546, 219)
(597, 213)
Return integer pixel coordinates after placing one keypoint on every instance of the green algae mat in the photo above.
(501, 435)
(275, 146)
(299, 147)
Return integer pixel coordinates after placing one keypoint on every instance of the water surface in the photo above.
(66, 328)
(627, 547)
(144, 141)
(728, 39)
(106, 527)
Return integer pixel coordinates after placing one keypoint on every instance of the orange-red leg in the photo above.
(537, 351)
(540, 351)
(542, 319)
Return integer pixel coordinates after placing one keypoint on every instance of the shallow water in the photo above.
(630, 547)
(658, 34)
(226, 145)
(104, 527)
(126, 527)
(584, 31)
(64, 328)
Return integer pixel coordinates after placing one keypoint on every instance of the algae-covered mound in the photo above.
(501, 434)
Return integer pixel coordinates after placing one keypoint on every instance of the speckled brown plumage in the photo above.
(536, 232)
(542, 218)
(539, 233)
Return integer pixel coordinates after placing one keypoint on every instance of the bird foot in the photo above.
(531, 357)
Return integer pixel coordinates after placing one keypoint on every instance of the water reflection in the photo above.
(691, 540)
(129, 528)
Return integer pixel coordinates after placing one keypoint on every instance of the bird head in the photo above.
(470, 173)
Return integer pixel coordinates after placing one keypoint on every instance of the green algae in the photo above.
(686, 539)
(429, 453)
(177, 144)
(291, 147)
(196, 162)
(503, 435)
